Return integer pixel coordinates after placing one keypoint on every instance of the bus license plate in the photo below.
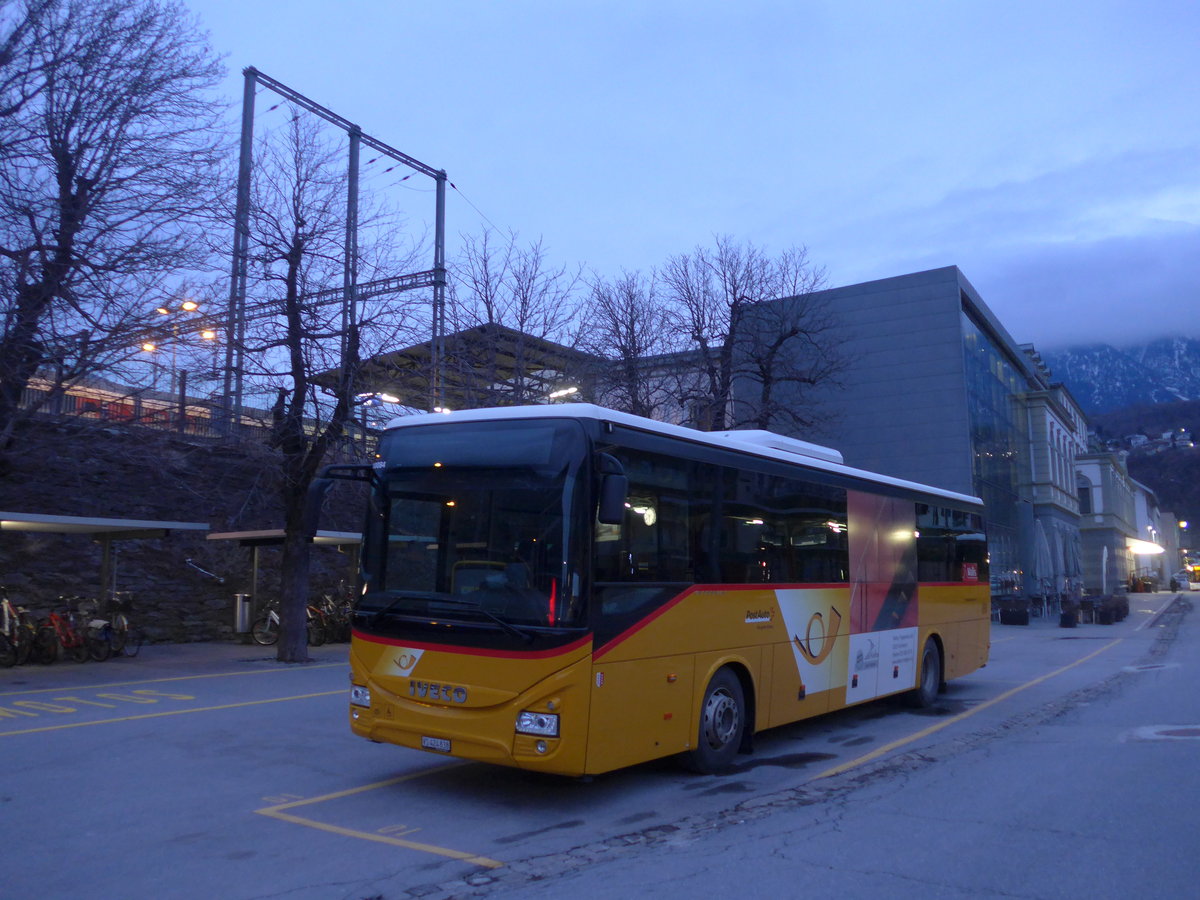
(442, 745)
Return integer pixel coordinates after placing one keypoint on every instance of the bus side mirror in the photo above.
(313, 502)
(614, 486)
(613, 489)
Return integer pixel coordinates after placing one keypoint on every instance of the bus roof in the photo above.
(755, 443)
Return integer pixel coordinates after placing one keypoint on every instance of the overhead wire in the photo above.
(481, 213)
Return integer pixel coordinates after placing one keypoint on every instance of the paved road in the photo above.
(211, 770)
(1093, 794)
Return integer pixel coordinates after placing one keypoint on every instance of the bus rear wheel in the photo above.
(722, 723)
(929, 682)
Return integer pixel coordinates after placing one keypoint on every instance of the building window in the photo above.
(1084, 488)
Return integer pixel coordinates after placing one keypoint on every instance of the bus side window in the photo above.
(949, 543)
(779, 530)
(653, 543)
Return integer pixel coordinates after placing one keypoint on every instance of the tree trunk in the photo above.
(20, 354)
(293, 596)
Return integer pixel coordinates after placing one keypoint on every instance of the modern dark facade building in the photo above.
(937, 391)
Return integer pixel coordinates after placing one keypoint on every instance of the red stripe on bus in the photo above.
(477, 651)
(776, 586)
(641, 623)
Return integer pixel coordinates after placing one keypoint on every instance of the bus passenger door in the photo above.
(640, 710)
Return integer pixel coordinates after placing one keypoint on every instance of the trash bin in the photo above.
(241, 613)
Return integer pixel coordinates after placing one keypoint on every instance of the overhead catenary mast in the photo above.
(434, 278)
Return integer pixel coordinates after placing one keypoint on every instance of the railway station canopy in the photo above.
(479, 365)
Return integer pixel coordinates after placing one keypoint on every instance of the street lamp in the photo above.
(185, 306)
(210, 336)
(151, 348)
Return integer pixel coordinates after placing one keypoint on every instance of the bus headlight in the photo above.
(539, 723)
(360, 695)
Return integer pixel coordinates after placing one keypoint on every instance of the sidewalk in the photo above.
(1142, 604)
(167, 660)
(157, 661)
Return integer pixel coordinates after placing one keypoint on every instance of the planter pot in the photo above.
(1014, 617)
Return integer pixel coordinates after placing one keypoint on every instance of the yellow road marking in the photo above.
(888, 748)
(171, 712)
(93, 687)
(278, 812)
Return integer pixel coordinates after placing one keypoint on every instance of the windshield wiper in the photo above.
(508, 626)
(391, 606)
(449, 600)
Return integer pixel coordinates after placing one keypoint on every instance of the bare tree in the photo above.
(19, 62)
(300, 342)
(789, 347)
(726, 307)
(112, 148)
(508, 304)
(627, 328)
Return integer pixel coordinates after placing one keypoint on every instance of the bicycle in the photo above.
(337, 609)
(265, 629)
(63, 632)
(318, 625)
(126, 637)
(17, 632)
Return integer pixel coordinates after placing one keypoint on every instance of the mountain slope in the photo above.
(1103, 378)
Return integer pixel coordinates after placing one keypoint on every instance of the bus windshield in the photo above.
(477, 524)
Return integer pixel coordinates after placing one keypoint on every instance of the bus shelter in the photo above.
(102, 531)
(273, 537)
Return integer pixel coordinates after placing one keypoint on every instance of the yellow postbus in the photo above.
(570, 589)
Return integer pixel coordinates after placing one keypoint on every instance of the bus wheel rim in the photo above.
(720, 718)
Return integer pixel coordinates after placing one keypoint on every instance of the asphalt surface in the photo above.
(206, 770)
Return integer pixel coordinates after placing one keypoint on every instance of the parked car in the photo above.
(1181, 581)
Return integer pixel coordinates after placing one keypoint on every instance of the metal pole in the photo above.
(437, 338)
(106, 563)
(254, 580)
(181, 420)
(174, 343)
(350, 267)
(235, 320)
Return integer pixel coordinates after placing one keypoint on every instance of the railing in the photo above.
(192, 416)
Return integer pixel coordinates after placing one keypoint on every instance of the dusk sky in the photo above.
(1050, 150)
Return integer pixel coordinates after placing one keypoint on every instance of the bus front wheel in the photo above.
(722, 722)
(929, 682)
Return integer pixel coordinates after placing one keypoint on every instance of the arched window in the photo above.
(1083, 487)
